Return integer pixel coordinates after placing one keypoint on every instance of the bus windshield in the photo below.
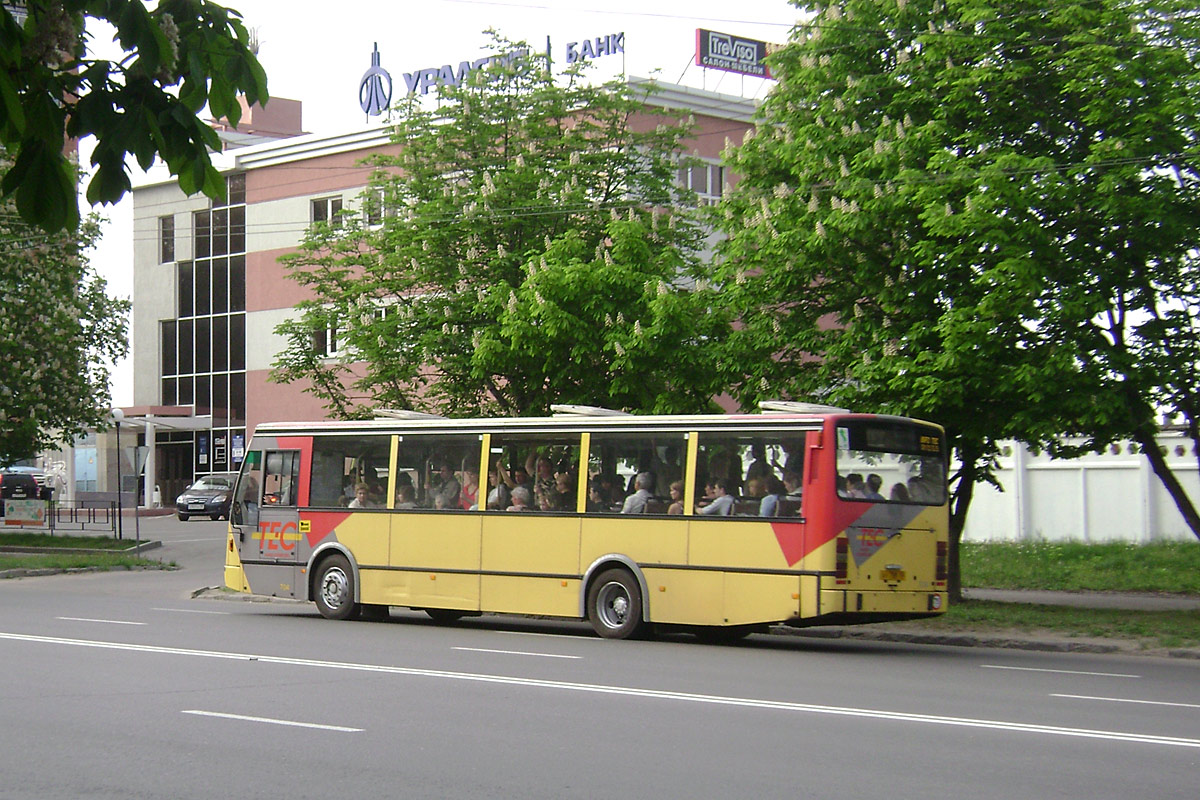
(885, 462)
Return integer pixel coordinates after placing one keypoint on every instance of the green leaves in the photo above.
(533, 250)
(180, 56)
(58, 330)
(969, 216)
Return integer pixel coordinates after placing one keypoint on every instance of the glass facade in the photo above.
(203, 348)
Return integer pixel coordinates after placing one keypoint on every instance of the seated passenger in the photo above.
(636, 502)
(362, 497)
(874, 484)
(793, 483)
(722, 504)
(769, 507)
(406, 496)
(676, 506)
(900, 494)
(520, 499)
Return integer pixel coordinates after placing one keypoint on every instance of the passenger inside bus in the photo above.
(520, 499)
(362, 497)
(406, 496)
(722, 503)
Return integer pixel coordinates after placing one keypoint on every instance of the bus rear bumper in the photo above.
(890, 604)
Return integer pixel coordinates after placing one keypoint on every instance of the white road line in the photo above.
(626, 691)
(271, 721)
(105, 621)
(191, 611)
(1060, 671)
(1127, 700)
(512, 652)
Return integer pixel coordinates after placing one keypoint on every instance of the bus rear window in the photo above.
(891, 463)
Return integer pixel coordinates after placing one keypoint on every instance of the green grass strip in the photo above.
(1171, 567)
(30, 540)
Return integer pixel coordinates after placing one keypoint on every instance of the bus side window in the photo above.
(339, 463)
(246, 499)
(282, 478)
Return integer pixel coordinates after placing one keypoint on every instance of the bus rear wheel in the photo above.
(335, 589)
(614, 605)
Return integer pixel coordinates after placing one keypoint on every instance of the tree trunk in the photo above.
(960, 503)
(1145, 438)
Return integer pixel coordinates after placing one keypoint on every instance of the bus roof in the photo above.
(421, 423)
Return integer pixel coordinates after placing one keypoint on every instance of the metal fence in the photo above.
(86, 516)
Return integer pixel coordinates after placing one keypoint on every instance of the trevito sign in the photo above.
(731, 53)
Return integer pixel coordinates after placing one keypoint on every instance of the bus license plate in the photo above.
(891, 575)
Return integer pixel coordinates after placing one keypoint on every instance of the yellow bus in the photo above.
(719, 524)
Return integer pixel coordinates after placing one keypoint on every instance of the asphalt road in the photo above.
(123, 685)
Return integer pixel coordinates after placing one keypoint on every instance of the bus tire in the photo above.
(334, 589)
(444, 616)
(614, 605)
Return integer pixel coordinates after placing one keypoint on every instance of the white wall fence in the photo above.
(1109, 496)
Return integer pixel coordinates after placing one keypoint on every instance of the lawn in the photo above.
(116, 558)
(1166, 567)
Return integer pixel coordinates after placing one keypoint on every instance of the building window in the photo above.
(166, 239)
(373, 208)
(235, 189)
(327, 209)
(705, 179)
(325, 342)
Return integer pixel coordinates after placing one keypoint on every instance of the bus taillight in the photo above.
(841, 569)
(942, 567)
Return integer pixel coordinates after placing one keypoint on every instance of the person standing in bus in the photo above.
(722, 503)
(447, 492)
(468, 498)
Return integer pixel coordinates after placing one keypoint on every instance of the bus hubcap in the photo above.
(335, 588)
(614, 605)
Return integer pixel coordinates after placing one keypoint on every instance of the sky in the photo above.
(320, 58)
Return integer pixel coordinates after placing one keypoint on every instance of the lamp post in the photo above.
(117, 416)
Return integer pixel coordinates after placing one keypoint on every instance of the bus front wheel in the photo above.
(335, 589)
(614, 605)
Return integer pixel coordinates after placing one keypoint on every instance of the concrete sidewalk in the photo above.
(1133, 601)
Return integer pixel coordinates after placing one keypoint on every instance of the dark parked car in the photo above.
(209, 496)
(17, 485)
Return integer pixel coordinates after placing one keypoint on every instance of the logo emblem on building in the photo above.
(375, 89)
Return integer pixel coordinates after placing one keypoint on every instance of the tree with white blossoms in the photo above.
(58, 330)
(532, 248)
(981, 213)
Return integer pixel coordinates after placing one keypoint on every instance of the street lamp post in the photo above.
(117, 416)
